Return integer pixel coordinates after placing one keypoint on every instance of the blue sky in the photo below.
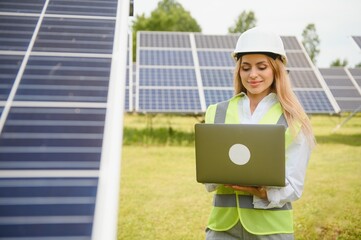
(336, 20)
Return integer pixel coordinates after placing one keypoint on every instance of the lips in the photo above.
(254, 83)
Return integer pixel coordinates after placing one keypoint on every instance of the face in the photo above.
(256, 75)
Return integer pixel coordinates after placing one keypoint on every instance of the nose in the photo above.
(253, 73)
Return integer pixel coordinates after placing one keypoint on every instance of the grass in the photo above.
(160, 198)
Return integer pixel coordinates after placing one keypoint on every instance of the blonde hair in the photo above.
(292, 108)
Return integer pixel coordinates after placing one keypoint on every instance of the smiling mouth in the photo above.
(254, 83)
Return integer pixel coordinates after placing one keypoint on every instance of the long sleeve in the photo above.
(297, 157)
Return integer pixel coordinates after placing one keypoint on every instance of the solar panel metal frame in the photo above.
(103, 223)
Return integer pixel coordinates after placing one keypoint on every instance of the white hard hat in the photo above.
(260, 40)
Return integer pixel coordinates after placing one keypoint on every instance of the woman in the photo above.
(263, 94)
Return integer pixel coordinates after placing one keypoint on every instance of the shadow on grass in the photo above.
(157, 136)
(349, 139)
(170, 136)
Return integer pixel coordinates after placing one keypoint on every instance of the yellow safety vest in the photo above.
(230, 206)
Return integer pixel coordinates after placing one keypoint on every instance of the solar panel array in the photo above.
(306, 81)
(345, 85)
(186, 72)
(55, 70)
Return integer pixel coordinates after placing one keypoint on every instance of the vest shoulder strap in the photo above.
(221, 112)
(274, 116)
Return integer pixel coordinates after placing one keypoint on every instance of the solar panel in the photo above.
(167, 79)
(93, 8)
(306, 81)
(224, 42)
(344, 87)
(217, 77)
(16, 32)
(54, 78)
(174, 40)
(216, 66)
(75, 35)
(215, 58)
(167, 60)
(356, 75)
(129, 93)
(62, 79)
(21, 6)
(9, 66)
(357, 40)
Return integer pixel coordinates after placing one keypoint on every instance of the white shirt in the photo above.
(297, 156)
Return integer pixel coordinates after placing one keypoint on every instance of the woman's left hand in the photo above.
(258, 191)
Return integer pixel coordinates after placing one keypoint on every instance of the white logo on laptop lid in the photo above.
(239, 154)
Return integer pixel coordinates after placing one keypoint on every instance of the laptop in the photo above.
(241, 154)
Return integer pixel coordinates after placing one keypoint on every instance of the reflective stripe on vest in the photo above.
(245, 201)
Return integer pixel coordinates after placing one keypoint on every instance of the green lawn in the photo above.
(160, 198)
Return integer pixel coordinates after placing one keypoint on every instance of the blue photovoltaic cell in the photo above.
(356, 74)
(349, 105)
(65, 79)
(165, 58)
(357, 39)
(52, 138)
(215, 96)
(16, 32)
(315, 101)
(44, 207)
(217, 77)
(75, 35)
(167, 77)
(297, 60)
(127, 106)
(9, 67)
(215, 41)
(290, 43)
(336, 77)
(169, 100)
(91, 8)
(345, 93)
(304, 79)
(342, 88)
(215, 58)
(22, 6)
(164, 40)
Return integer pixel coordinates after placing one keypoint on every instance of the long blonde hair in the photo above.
(292, 108)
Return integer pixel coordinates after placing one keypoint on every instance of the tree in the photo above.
(245, 21)
(311, 41)
(168, 16)
(339, 63)
(358, 65)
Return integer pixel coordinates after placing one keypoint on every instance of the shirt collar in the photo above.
(270, 97)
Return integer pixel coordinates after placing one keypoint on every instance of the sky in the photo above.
(335, 20)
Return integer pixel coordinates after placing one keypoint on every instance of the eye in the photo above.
(262, 67)
(245, 68)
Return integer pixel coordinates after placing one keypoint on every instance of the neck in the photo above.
(253, 103)
(254, 100)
